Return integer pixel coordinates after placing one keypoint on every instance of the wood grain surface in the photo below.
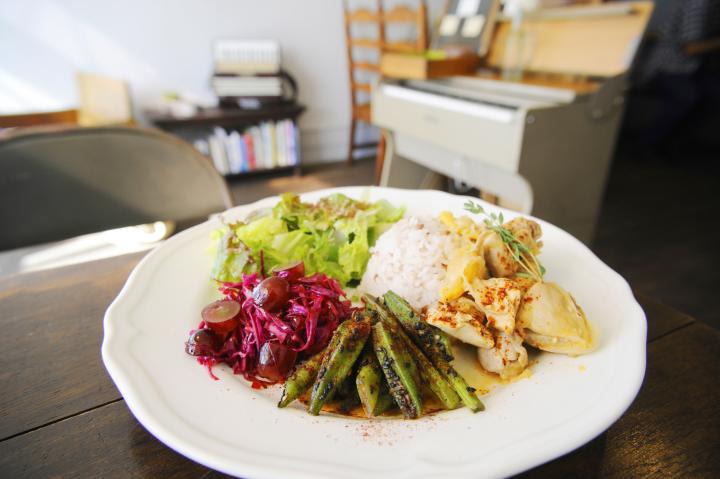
(50, 367)
(60, 415)
(673, 427)
(662, 319)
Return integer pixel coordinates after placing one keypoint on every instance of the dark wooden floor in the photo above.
(659, 227)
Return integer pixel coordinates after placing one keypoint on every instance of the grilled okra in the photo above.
(369, 380)
(399, 370)
(461, 387)
(436, 345)
(301, 379)
(429, 338)
(338, 360)
(348, 393)
(435, 381)
(384, 403)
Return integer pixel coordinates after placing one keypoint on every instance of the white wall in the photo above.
(163, 45)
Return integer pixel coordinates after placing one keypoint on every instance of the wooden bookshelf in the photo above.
(235, 119)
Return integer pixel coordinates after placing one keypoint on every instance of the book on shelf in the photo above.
(258, 148)
(235, 153)
(247, 136)
(264, 146)
(292, 146)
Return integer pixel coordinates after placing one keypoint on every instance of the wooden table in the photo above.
(61, 416)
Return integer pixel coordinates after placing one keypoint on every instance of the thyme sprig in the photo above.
(517, 249)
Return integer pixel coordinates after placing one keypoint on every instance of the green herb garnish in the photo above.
(517, 249)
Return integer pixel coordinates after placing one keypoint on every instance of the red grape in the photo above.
(221, 315)
(271, 294)
(201, 343)
(275, 361)
(291, 271)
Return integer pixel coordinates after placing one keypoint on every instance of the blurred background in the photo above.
(601, 117)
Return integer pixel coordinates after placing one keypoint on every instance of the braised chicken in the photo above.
(495, 263)
(499, 299)
(463, 320)
(466, 265)
(551, 320)
(528, 232)
(498, 257)
(507, 357)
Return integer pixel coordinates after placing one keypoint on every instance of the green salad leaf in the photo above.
(332, 236)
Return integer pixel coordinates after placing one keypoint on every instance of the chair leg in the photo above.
(380, 159)
(351, 145)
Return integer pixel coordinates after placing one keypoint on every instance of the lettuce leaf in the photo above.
(332, 236)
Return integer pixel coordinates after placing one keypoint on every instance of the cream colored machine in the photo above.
(542, 150)
(542, 145)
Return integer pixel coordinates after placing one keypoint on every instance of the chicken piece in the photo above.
(463, 320)
(499, 299)
(551, 320)
(507, 358)
(528, 232)
(465, 265)
(524, 284)
(499, 261)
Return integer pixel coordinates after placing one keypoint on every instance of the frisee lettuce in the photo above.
(332, 236)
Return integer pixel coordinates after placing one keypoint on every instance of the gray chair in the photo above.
(60, 183)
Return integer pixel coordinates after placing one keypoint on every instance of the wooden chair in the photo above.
(400, 14)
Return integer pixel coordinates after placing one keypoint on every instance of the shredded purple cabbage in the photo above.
(316, 306)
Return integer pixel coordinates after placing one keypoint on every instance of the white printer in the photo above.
(544, 150)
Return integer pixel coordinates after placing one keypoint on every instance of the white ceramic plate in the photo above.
(230, 427)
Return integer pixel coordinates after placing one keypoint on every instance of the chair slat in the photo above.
(401, 13)
(362, 87)
(402, 47)
(362, 15)
(365, 43)
(372, 67)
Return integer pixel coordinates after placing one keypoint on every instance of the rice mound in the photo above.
(410, 259)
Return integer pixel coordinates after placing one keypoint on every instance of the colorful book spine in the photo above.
(264, 146)
(234, 154)
(291, 147)
(242, 147)
(247, 138)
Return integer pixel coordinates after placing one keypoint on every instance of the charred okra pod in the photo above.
(437, 346)
(348, 393)
(435, 381)
(399, 370)
(466, 393)
(338, 361)
(429, 338)
(301, 379)
(369, 380)
(384, 403)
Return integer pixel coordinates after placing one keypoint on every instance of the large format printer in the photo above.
(542, 148)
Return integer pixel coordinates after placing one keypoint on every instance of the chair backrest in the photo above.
(361, 16)
(403, 14)
(57, 184)
(381, 20)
